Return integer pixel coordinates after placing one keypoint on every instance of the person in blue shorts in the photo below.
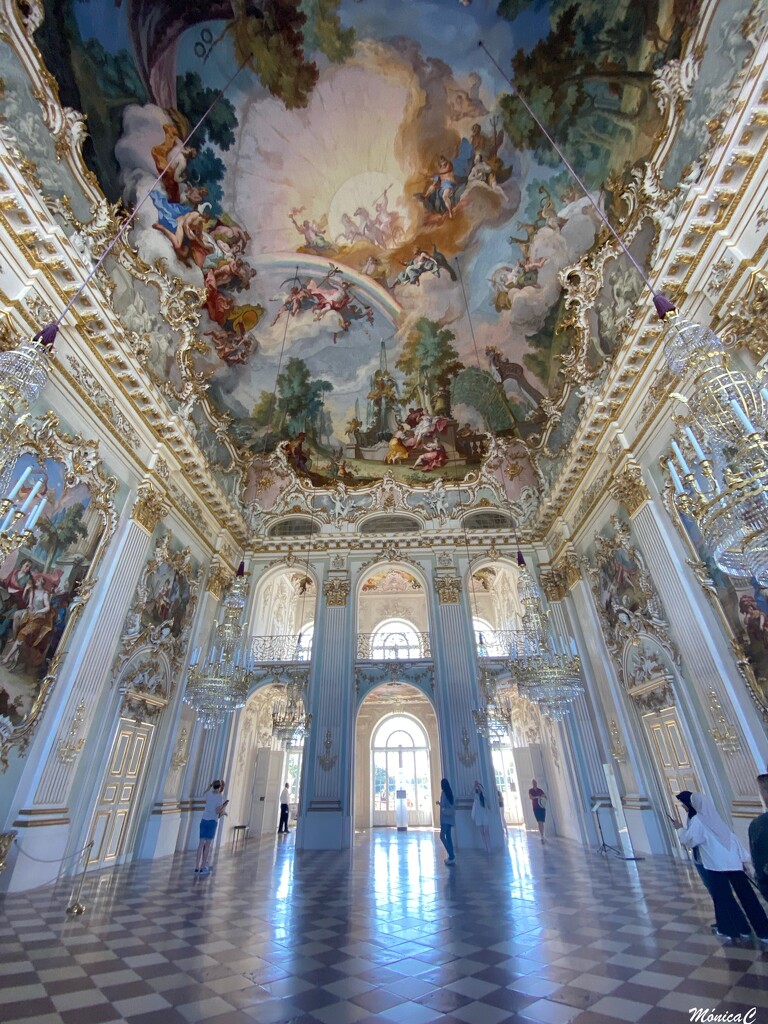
(214, 809)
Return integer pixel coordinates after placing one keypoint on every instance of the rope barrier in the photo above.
(56, 860)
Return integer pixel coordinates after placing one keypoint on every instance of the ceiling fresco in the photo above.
(377, 229)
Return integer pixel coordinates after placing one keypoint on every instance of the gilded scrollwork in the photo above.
(632, 619)
(156, 629)
(95, 394)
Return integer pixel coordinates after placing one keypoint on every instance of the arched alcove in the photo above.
(396, 746)
(393, 594)
(284, 606)
(495, 602)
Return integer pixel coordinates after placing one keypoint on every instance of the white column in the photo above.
(703, 669)
(325, 821)
(456, 694)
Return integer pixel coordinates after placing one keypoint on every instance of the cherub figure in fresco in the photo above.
(313, 233)
(524, 274)
(232, 270)
(332, 294)
(233, 349)
(292, 305)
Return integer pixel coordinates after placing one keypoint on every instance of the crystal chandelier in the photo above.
(493, 719)
(720, 472)
(218, 682)
(18, 511)
(289, 715)
(549, 677)
(23, 375)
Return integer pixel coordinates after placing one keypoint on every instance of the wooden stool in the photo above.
(239, 832)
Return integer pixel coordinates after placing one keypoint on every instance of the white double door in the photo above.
(402, 769)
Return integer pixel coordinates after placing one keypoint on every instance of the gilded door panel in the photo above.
(113, 812)
(671, 758)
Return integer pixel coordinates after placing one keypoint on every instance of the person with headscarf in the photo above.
(724, 858)
(481, 815)
(685, 800)
(447, 819)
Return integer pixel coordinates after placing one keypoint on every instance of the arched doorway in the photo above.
(397, 749)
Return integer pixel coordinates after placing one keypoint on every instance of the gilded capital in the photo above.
(150, 508)
(569, 569)
(219, 579)
(553, 585)
(336, 592)
(629, 490)
(448, 589)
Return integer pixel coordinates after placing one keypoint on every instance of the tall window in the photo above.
(304, 642)
(488, 645)
(401, 762)
(396, 638)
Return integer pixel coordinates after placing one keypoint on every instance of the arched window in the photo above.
(304, 642)
(400, 752)
(396, 638)
(488, 645)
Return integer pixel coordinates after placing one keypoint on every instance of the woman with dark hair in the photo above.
(724, 858)
(447, 819)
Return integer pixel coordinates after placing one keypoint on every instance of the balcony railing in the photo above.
(496, 643)
(395, 646)
(281, 648)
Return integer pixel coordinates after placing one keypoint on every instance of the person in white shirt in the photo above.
(285, 800)
(214, 809)
(724, 858)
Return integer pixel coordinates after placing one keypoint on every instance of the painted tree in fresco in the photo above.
(299, 404)
(589, 80)
(57, 535)
(429, 362)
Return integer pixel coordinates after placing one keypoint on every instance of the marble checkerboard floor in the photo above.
(553, 934)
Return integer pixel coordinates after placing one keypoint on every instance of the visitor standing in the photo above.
(215, 808)
(724, 858)
(285, 804)
(481, 815)
(447, 819)
(538, 800)
(500, 798)
(758, 840)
